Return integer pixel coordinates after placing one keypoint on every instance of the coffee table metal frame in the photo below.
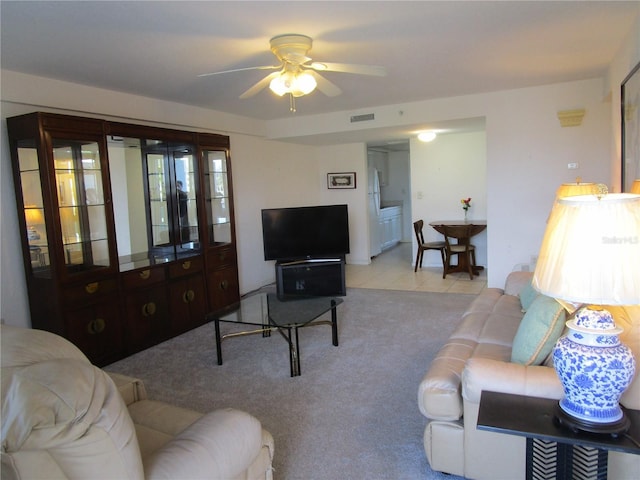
(284, 316)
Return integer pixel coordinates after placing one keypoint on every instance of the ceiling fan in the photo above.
(296, 74)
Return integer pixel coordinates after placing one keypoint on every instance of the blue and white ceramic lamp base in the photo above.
(594, 368)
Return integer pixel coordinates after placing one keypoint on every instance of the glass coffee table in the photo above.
(268, 313)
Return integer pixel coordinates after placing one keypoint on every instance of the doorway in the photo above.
(389, 195)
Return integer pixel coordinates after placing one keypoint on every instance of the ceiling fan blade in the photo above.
(264, 67)
(330, 89)
(259, 86)
(349, 68)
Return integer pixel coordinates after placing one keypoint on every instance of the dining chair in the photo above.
(463, 248)
(422, 245)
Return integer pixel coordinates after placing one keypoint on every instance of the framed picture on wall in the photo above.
(630, 100)
(341, 180)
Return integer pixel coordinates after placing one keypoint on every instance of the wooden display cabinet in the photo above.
(68, 237)
(127, 230)
(220, 250)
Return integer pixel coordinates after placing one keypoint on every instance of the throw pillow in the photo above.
(527, 296)
(538, 332)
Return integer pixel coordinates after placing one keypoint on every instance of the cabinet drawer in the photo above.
(96, 330)
(221, 257)
(187, 303)
(187, 266)
(147, 318)
(89, 291)
(143, 277)
(223, 287)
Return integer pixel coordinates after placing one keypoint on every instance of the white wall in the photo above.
(348, 158)
(266, 174)
(444, 171)
(527, 154)
(14, 309)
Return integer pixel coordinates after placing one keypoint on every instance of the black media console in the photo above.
(311, 277)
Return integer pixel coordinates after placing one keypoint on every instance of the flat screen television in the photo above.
(305, 232)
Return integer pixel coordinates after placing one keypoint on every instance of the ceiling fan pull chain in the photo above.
(292, 103)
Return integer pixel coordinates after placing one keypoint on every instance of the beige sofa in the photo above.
(64, 418)
(477, 357)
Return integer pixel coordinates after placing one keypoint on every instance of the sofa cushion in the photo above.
(538, 332)
(486, 330)
(527, 295)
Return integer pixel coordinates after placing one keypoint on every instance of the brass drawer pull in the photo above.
(224, 284)
(148, 309)
(188, 296)
(145, 274)
(96, 326)
(91, 287)
(186, 265)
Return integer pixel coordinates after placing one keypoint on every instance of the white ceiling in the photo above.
(430, 49)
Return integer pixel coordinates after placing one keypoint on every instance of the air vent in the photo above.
(362, 118)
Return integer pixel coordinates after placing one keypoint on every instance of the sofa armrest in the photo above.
(492, 375)
(131, 389)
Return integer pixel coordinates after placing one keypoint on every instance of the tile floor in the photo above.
(393, 270)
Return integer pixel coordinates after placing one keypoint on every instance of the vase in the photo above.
(594, 367)
(465, 214)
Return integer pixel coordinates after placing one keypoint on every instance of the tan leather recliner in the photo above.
(64, 418)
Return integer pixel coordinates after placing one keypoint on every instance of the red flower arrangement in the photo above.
(466, 203)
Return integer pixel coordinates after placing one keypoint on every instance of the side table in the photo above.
(554, 451)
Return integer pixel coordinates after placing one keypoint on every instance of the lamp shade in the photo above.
(635, 186)
(575, 188)
(591, 250)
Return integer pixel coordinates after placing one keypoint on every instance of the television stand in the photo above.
(310, 277)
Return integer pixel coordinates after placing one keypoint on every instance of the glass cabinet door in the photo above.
(172, 190)
(81, 204)
(217, 196)
(33, 208)
(158, 206)
(184, 167)
(155, 187)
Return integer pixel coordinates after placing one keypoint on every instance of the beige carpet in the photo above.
(352, 414)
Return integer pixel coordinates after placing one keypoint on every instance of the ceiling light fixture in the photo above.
(428, 136)
(295, 83)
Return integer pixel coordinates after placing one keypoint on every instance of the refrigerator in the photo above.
(374, 212)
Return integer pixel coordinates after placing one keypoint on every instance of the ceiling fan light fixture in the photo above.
(279, 85)
(305, 83)
(297, 84)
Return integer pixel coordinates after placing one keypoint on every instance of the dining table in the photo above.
(477, 226)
